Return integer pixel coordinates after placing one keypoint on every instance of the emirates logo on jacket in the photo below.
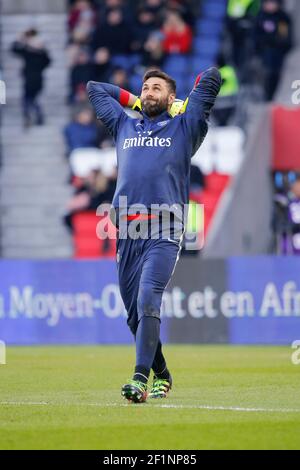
(147, 140)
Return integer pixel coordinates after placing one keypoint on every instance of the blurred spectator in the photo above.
(96, 189)
(110, 4)
(178, 35)
(119, 78)
(227, 99)
(81, 73)
(82, 18)
(294, 214)
(286, 222)
(107, 5)
(84, 132)
(273, 40)
(187, 9)
(115, 34)
(153, 52)
(155, 6)
(102, 65)
(197, 182)
(36, 59)
(78, 41)
(144, 25)
(241, 16)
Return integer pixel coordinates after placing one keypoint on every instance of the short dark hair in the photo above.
(160, 74)
(30, 33)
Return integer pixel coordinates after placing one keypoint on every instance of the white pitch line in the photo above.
(230, 408)
(25, 403)
(166, 406)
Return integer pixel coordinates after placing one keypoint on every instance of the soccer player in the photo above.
(154, 154)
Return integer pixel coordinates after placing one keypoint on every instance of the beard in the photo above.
(154, 108)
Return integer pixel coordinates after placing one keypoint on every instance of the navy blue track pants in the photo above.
(144, 268)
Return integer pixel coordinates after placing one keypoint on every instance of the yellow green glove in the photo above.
(137, 105)
(178, 107)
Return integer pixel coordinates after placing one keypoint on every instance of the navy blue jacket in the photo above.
(154, 155)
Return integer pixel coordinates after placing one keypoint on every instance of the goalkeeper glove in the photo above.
(137, 105)
(178, 107)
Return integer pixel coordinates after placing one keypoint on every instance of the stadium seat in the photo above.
(210, 196)
(286, 138)
(123, 61)
(215, 183)
(84, 160)
(135, 81)
(200, 63)
(214, 9)
(221, 151)
(189, 82)
(209, 200)
(86, 242)
(209, 27)
(85, 223)
(207, 47)
(134, 59)
(87, 247)
(229, 144)
(177, 63)
(208, 217)
(181, 86)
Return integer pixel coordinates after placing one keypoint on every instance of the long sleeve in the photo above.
(18, 48)
(104, 98)
(201, 100)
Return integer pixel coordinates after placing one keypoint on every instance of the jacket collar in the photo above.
(163, 116)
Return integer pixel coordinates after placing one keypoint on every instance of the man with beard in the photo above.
(154, 156)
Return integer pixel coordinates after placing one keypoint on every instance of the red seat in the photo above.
(87, 247)
(209, 200)
(216, 182)
(208, 217)
(85, 223)
(87, 244)
(286, 138)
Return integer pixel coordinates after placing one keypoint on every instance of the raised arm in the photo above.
(124, 97)
(107, 101)
(200, 103)
(19, 48)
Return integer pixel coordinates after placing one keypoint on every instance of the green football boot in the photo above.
(135, 391)
(160, 387)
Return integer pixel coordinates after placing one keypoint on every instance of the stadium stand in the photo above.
(250, 220)
(2, 100)
(34, 173)
(32, 220)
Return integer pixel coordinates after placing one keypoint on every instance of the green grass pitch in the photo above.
(224, 397)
